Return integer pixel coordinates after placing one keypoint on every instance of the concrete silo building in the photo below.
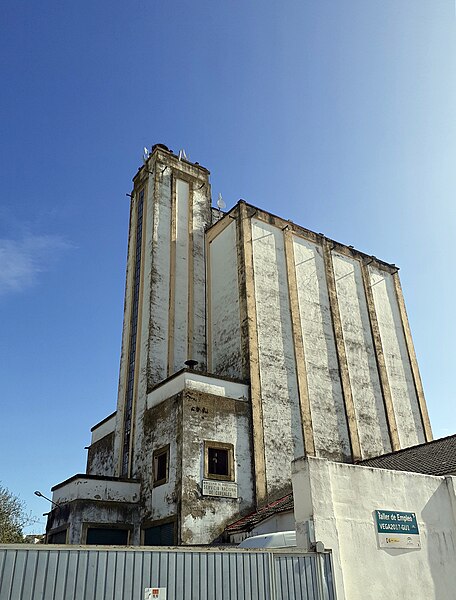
(248, 341)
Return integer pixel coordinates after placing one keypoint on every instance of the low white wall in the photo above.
(199, 383)
(339, 500)
(97, 489)
(105, 428)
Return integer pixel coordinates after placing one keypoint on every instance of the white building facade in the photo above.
(295, 345)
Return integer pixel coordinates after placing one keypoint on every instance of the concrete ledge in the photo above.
(90, 487)
(191, 380)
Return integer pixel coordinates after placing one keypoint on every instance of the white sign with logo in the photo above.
(397, 529)
(155, 594)
(222, 489)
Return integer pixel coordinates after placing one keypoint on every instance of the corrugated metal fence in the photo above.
(80, 573)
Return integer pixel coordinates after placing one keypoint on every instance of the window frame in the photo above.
(219, 446)
(94, 525)
(163, 451)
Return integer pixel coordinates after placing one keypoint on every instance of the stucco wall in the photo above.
(202, 216)
(157, 325)
(362, 364)
(162, 426)
(181, 300)
(341, 500)
(406, 408)
(323, 377)
(100, 456)
(224, 317)
(212, 418)
(279, 390)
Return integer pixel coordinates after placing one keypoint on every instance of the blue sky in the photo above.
(337, 114)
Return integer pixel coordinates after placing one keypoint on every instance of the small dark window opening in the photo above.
(160, 535)
(218, 461)
(107, 537)
(58, 538)
(160, 463)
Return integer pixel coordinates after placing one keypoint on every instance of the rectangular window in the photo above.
(58, 537)
(219, 461)
(160, 535)
(161, 465)
(105, 536)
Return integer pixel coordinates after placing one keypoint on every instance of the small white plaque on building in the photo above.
(222, 489)
(155, 594)
(396, 529)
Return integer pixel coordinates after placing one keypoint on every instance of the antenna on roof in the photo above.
(182, 155)
(221, 202)
(146, 154)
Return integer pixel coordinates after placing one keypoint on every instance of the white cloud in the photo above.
(22, 260)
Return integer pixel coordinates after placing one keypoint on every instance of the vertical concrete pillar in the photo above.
(191, 280)
(172, 277)
(341, 353)
(380, 357)
(301, 370)
(412, 356)
(250, 352)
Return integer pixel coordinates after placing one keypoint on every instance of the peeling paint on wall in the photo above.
(362, 364)
(224, 302)
(325, 392)
(408, 416)
(279, 389)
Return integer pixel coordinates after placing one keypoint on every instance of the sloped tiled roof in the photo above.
(248, 522)
(432, 458)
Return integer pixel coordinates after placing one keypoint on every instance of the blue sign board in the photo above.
(397, 529)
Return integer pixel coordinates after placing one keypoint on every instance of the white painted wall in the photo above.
(158, 325)
(205, 517)
(279, 390)
(224, 318)
(103, 429)
(325, 391)
(198, 382)
(405, 402)
(362, 364)
(87, 488)
(163, 429)
(181, 299)
(341, 499)
(201, 220)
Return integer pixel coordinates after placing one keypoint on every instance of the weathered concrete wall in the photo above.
(199, 382)
(157, 325)
(171, 312)
(405, 402)
(181, 278)
(323, 377)
(279, 391)
(100, 456)
(341, 499)
(78, 514)
(201, 219)
(162, 426)
(125, 337)
(212, 418)
(224, 318)
(362, 364)
(105, 427)
(88, 488)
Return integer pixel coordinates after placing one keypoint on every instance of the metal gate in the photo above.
(102, 573)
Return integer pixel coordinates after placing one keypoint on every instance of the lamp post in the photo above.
(40, 495)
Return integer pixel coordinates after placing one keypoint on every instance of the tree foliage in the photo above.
(13, 518)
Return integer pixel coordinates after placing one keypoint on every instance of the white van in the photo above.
(279, 539)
